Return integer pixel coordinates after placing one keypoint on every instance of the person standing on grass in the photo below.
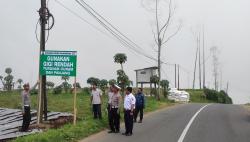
(110, 94)
(26, 107)
(115, 105)
(129, 106)
(139, 105)
(96, 100)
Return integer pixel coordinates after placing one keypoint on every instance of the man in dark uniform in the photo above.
(110, 94)
(129, 106)
(139, 105)
(115, 105)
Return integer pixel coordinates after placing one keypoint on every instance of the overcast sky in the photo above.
(226, 22)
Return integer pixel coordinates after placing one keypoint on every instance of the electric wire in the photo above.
(119, 36)
(115, 32)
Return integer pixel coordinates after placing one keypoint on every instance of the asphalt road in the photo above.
(188, 123)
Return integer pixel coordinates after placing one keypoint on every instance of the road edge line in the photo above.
(184, 132)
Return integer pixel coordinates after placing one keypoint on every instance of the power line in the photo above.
(95, 27)
(110, 24)
(77, 15)
(119, 36)
(165, 73)
(124, 39)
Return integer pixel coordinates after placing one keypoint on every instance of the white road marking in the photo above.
(183, 134)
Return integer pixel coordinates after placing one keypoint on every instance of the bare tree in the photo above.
(214, 52)
(162, 35)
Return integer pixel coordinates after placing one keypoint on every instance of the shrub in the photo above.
(211, 95)
(57, 90)
(86, 90)
(219, 97)
(33, 92)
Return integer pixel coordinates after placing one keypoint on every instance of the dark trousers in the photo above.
(97, 111)
(128, 118)
(109, 116)
(26, 118)
(115, 120)
(137, 111)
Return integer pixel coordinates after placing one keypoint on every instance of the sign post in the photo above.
(60, 63)
(75, 109)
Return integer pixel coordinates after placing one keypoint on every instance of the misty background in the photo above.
(226, 24)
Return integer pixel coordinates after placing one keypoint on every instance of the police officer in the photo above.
(139, 105)
(129, 106)
(26, 107)
(115, 105)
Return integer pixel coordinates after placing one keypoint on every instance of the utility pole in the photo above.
(178, 76)
(215, 66)
(199, 60)
(197, 40)
(204, 66)
(42, 99)
(221, 81)
(175, 75)
(227, 87)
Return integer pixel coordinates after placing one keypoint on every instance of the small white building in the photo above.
(143, 75)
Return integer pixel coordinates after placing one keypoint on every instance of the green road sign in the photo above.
(58, 63)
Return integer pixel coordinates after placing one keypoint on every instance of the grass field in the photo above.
(64, 103)
(196, 96)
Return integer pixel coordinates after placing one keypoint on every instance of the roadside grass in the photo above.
(196, 96)
(85, 126)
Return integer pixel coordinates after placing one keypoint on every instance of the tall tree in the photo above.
(77, 85)
(112, 82)
(19, 81)
(162, 34)
(8, 79)
(165, 86)
(1, 78)
(155, 80)
(50, 84)
(122, 80)
(120, 58)
(103, 85)
(93, 80)
(65, 84)
(65, 78)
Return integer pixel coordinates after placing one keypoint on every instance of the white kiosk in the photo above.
(143, 75)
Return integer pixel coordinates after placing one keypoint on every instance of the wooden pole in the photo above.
(42, 78)
(175, 76)
(227, 87)
(75, 109)
(200, 60)
(196, 54)
(204, 66)
(178, 76)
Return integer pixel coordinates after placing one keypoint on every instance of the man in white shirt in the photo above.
(26, 107)
(96, 101)
(129, 106)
